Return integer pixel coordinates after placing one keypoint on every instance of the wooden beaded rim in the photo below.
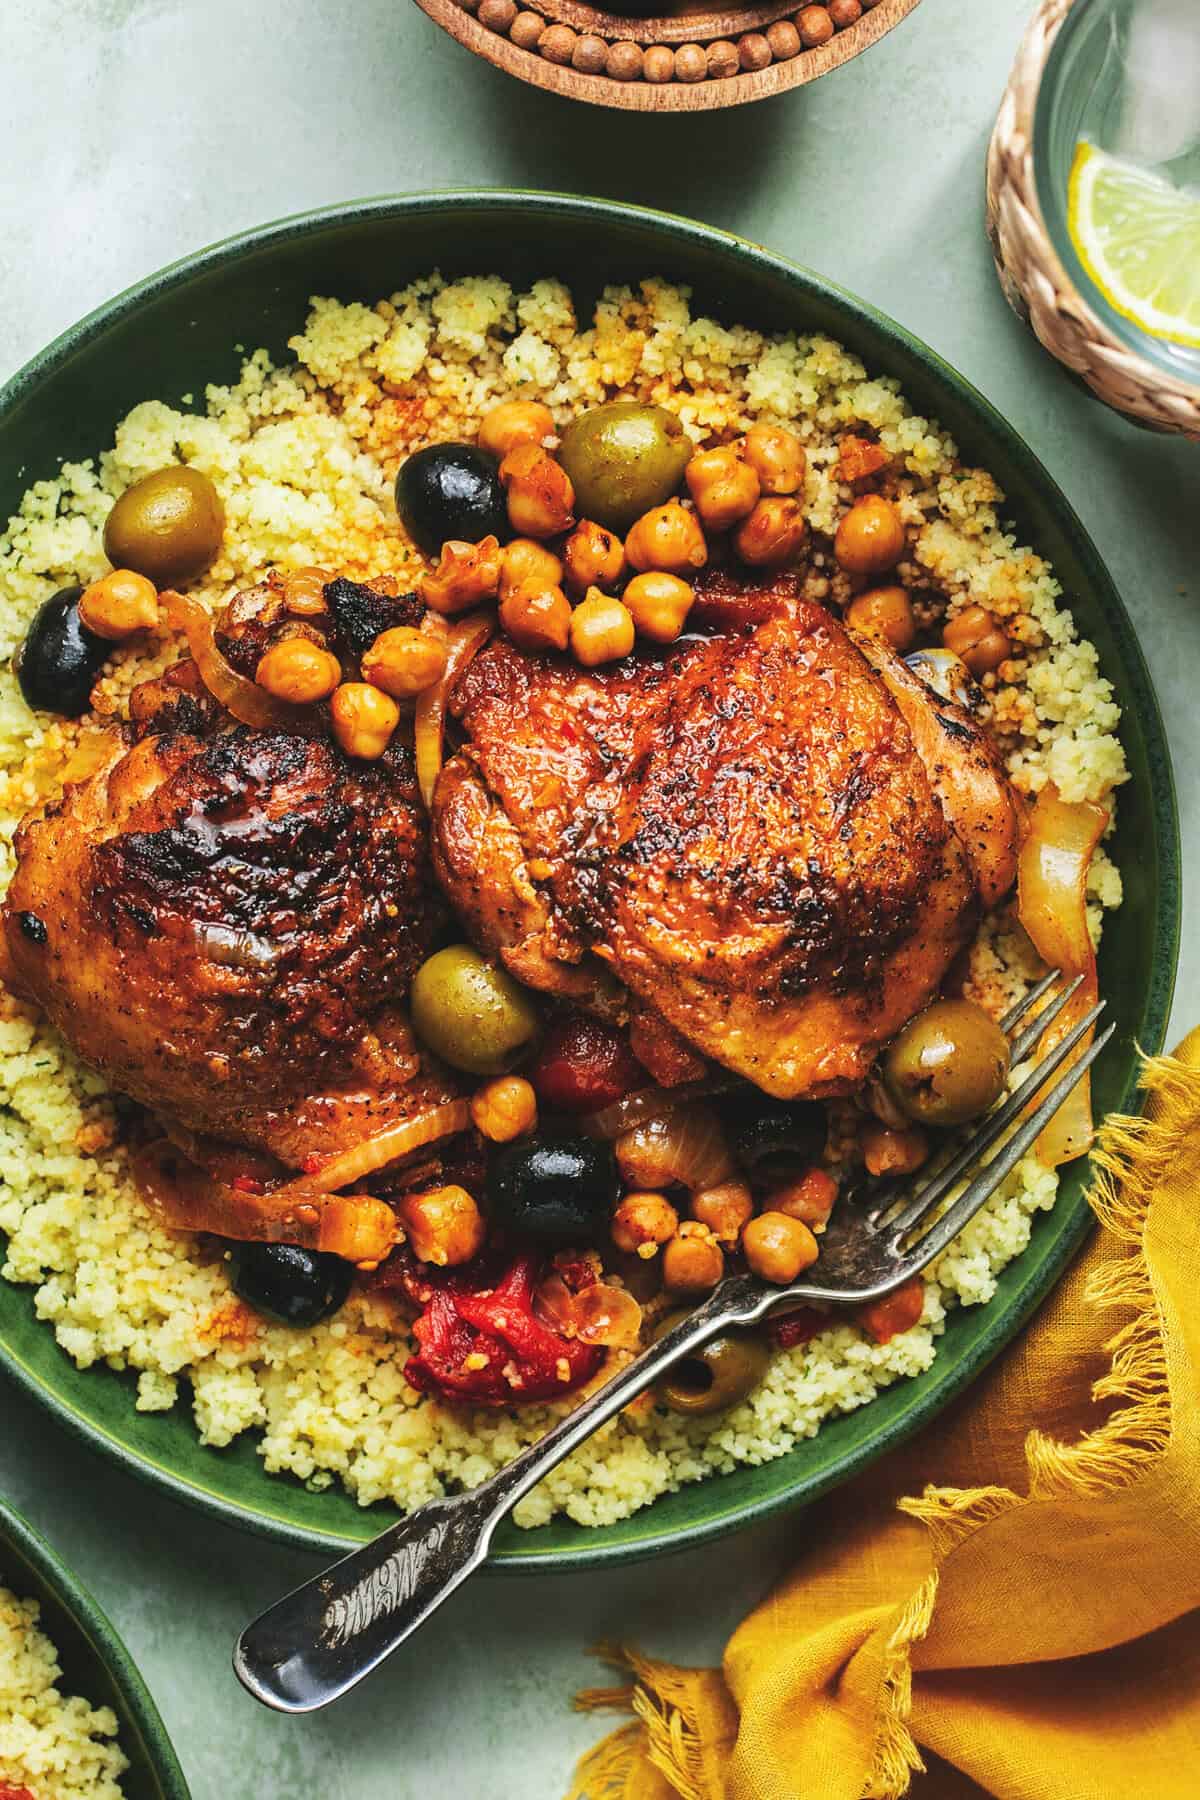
(693, 71)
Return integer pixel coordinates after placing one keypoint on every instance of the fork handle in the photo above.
(324, 1637)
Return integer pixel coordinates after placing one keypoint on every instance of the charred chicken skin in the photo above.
(774, 839)
(225, 922)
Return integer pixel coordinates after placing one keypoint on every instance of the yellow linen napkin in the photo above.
(1010, 1603)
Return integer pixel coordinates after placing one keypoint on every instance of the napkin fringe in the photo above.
(608, 1771)
(1131, 1160)
(665, 1731)
(896, 1758)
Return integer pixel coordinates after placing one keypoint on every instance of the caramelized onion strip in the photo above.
(248, 703)
(1056, 852)
(648, 1103)
(357, 1227)
(600, 1314)
(375, 1153)
(686, 1147)
(308, 1211)
(462, 641)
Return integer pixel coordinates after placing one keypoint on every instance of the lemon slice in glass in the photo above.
(1138, 237)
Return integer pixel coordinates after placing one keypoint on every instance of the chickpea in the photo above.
(304, 591)
(537, 616)
(668, 537)
(601, 630)
(659, 604)
(515, 422)
(870, 537)
(724, 489)
(692, 1262)
(772, 535)
(593, 557)
(444, 1226)
(974, 635)
(465, 575)
(298, 670)
(540, 495)
(885, 613)
(504, 1109)
(777, 458)
(777, 1246)
(642, 1222)
(363, 719)
(896, 1312)
(119, 604)
(890, 1152)
(404, 661)
(527, 560)
(809, 1198)
(724, 1209)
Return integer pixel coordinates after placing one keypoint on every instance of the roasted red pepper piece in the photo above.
(584, 1065)
(797, 1327)
(13, 1793)
(896, 1312)
(479, 1342)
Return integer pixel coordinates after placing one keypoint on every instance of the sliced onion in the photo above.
(247, 702)
(357, 1227)
(375, 1153)
(599, 1314)
(648, 1103)
(462, 641)
(1060, 838)
(686, 1147)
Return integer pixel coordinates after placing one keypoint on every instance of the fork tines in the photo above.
(900, 1225)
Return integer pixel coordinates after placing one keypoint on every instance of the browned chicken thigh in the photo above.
(225, 926)
(775, 838)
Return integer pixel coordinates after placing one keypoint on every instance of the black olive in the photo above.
(774, 1140)
(556, 1190)
(60, 658)
(290, 1285)
(451, 491)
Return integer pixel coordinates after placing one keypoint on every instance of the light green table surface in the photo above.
(137, 130)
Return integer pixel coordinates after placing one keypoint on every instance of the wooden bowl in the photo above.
(685, 61)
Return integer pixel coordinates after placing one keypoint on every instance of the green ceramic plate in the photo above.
(172, 334)
(95, 1663)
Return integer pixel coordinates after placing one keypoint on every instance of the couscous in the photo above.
(804, 458)
(53, 1746)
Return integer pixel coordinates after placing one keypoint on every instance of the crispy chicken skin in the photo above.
(773, 841)
(223, 926)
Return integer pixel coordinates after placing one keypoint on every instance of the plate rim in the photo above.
(803, 280)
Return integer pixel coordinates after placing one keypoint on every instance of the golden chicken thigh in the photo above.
(223, 927)
(775, 838)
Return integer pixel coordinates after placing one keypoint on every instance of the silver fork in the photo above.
(319, 1641)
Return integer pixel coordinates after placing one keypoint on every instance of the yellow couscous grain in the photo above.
(56, 1745)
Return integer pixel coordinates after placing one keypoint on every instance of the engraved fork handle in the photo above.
(320, 1640)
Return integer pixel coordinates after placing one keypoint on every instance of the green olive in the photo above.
(623, 459)
(717, 1376)
(470, 1013)
(948, 1065)
(168, 526)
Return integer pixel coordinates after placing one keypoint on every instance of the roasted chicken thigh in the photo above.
(225, 926)
(774, 839)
